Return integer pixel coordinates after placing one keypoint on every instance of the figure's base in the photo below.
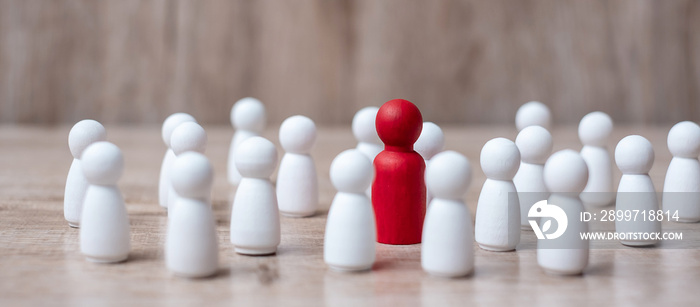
(256, 251)
(492, 248)
(349, 269)
(562, 272)
(638, 243)
(106, 260)
(298, 214)
(394, 243)
(684, 220)
(450, 275)
(195, 275)
(73, 225)
(398, 239)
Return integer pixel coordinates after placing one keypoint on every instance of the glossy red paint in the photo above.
(398, 191)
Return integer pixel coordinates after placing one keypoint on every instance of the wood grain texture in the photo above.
(41, 262)
(460, 61)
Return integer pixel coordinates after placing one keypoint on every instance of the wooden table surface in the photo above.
(40, 260)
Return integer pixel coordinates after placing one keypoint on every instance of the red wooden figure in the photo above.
(398, 191)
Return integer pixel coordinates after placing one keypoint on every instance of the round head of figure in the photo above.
(256, 157)
(84, 133)
(171, 123)
(684, 140)
(248, 114)
(500, 159)
(594, 129)
(192, 175)
(565, 172)
(533, 113)
(534, 144)
(102, 163)
(297, 134)
(448, 175)
(363, 126)
(430, 142)
(188, 136)
(351, 172)
(399, 123)
(634, 155)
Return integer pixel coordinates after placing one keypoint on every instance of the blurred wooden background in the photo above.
(460, 61)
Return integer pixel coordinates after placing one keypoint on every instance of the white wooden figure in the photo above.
(634, 156)
(169, 125)
(594, 131)
(248, 118)
(497, 226)
(681, 193)
(447, 247)
(365, 131)
(297, 182)
(104, 230)
(430, 143)
(192, 245)
(565, 174)
(83, 134)
(535, 145)
(188, 136)
(255, 223)
(533, 113)
(351, 233)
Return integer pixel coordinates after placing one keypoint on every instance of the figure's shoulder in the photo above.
(392, 157)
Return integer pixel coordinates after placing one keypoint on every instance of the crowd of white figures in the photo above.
(527, 166)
